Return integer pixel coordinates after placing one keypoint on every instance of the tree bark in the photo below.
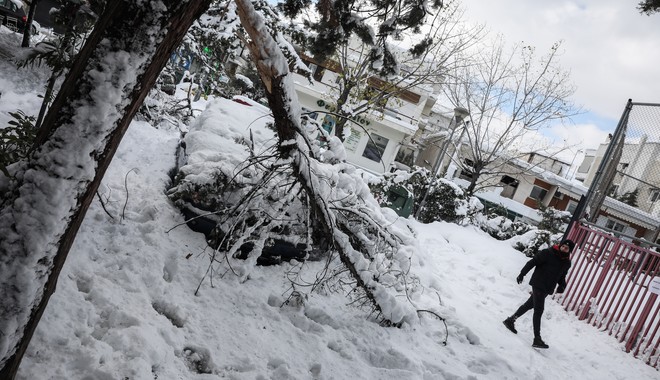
(27, 32)
(128, 48)
(266, 55)
(339, 125)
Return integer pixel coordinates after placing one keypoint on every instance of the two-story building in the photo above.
(379, 141)
(638, 172)
(525, 184)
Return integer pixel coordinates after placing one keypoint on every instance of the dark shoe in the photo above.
(539, 343)
(509, 323)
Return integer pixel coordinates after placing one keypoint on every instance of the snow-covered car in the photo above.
(13, 15)
(206, 184)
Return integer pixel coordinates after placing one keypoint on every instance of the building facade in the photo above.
(637, 181)
(379, 140)
(524, 185)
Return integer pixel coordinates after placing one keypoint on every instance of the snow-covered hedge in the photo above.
(502, 228)
(446, 201)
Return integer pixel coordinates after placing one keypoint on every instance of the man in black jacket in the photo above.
(551, 264)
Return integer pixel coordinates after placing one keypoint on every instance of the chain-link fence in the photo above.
(624, 192)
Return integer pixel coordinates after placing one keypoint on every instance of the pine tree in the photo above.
(630, 198)
(375, 73)
(649, 6)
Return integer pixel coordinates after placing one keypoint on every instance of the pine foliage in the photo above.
(649, 6)
(630, 198)
(553, 220)
(372, 21)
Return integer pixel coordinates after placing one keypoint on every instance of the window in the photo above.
(309, 124)
(328, 123)
(509, 181)
(510, 186)
(307, 116)
(538, 193)
(406, 156)
(613, 191)
(467, 170)
(614, 225)
(655, 195)
(375, 147)
(318, 73)
(572, 206)
(9, 4)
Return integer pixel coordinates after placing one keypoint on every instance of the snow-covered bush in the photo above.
(446, 201)
(534, 240)
(16, 139)
(502, 228)
(414, 181)
(553, 220)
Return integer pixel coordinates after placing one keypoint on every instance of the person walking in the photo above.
(551, 266)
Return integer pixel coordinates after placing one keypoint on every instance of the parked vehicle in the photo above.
(14, 16)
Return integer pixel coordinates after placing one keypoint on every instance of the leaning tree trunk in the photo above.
(40, 217)
(274, 74)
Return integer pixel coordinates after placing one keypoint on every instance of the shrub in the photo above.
(446, 201)
(502, 228)
(16, 139)
(534, 240)
(553, 220)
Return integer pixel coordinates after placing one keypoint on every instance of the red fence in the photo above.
(609, 287)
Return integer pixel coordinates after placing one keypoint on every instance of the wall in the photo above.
(356, 144)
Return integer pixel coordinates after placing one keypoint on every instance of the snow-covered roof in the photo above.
(630, 214)
(575, 189)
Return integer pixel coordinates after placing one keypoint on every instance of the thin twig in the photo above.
(123, 211)
(444, 343)
(103, 205)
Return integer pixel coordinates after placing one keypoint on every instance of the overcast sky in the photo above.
(611, 50)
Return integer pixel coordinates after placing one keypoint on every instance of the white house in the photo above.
(534, 181)
(378, 141)
(638, 170)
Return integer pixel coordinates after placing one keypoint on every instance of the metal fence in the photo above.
(613, 285)
(628, 169)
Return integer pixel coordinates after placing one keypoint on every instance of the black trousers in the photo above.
(537, 302)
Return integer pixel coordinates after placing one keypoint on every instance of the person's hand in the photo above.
(519, 279)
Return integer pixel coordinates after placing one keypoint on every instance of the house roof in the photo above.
(575, 190)
(630, 214)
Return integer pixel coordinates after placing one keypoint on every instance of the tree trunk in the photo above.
(476, 173)
(267, 57)
(27, 32)
(339, 125)
(39, 219)
(50, 88)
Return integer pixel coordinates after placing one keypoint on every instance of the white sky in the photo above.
(125, 304)
(609, 47)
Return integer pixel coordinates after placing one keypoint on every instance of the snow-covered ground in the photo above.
(125, 306)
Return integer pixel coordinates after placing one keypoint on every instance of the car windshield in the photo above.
(9, 4)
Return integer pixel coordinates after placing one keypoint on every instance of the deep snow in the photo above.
(125, 306)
